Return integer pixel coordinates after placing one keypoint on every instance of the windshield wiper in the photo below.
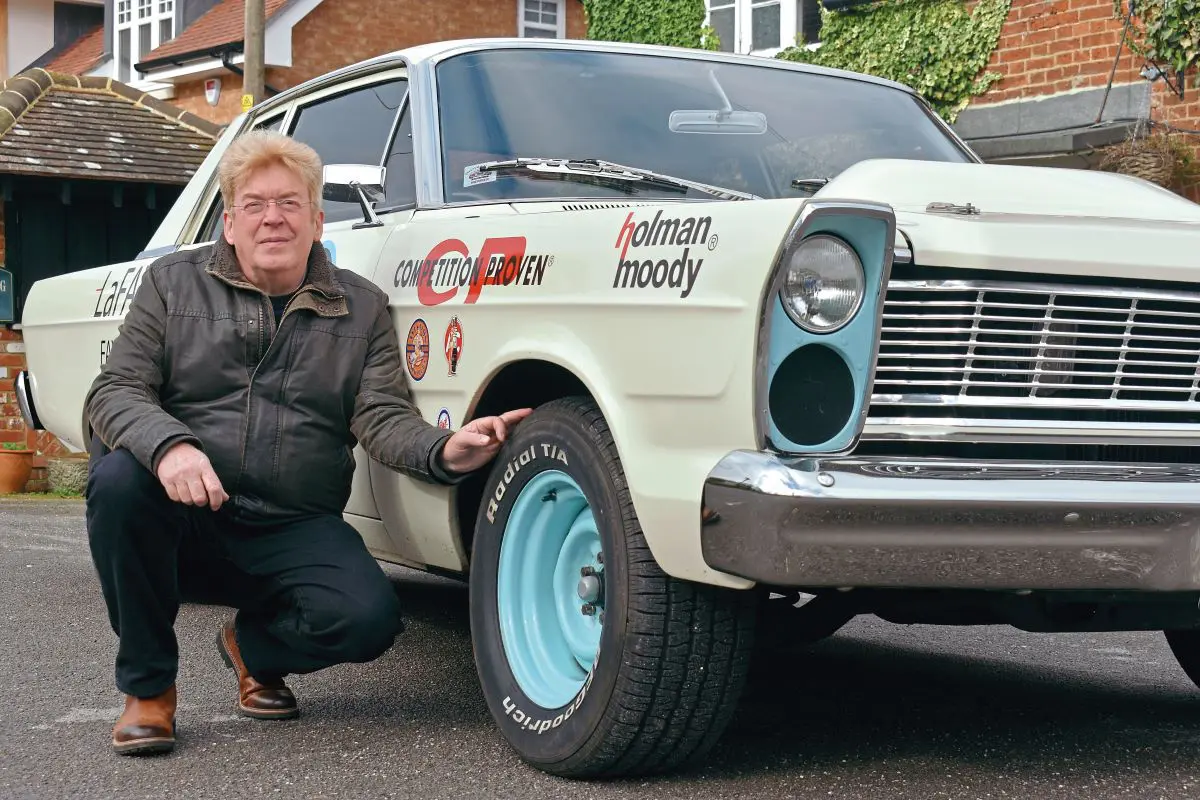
(606, 173)
(812, 184)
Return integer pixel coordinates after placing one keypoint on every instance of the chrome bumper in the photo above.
(24, 393)
(933, 523)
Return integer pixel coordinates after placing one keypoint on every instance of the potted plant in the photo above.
(16, 465)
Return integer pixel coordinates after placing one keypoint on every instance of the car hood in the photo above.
(1044, 220)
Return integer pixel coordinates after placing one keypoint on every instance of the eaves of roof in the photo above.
(90, 127)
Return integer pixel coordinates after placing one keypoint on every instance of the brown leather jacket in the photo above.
(278, 412)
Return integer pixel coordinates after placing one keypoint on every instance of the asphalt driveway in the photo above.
(878, 711)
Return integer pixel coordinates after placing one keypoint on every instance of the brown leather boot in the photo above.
(257, 699)
(147, 725)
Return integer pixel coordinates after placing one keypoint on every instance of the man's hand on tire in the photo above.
(477, 442)
(187, 475)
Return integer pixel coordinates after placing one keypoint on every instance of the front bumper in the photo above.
(22, 387)
(934, 523)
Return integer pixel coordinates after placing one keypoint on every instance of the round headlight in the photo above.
(823, 288)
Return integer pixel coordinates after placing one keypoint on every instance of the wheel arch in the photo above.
(521, 383)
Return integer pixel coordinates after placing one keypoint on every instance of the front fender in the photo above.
(664, 460)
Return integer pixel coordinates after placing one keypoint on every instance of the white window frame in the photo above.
(789, 24)
(130, 16)
(560, 29)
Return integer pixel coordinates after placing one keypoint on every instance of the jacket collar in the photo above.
(321, 292)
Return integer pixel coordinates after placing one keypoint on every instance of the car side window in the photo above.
(351, 128)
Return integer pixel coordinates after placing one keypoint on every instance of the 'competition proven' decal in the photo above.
(449, 266)
(675, 273)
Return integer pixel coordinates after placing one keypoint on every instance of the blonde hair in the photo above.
(257, 149)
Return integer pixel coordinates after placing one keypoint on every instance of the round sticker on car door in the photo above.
(416, 349)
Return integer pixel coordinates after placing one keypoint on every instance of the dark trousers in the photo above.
(309, 594)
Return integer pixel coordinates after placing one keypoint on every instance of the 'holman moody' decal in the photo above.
(677, 273)
(115, 295)
(501, 261)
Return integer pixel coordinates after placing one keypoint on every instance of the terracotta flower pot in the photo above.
(15, 469)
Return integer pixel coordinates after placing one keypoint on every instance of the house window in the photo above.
(142, 25)
(763, 27)
(544, 19)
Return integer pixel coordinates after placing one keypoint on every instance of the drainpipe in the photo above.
(227, 62)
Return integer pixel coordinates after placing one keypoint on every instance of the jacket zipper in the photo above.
(262, 356)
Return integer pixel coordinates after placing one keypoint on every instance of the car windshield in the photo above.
(656, 113)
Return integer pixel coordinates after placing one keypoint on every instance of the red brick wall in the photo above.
(4, 39)
(341, 32)
(1048, 47)
(1166, 107)
(12, 427)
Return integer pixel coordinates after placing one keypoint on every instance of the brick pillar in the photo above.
(12, 426)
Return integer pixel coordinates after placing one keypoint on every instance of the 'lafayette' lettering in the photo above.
(679, 273)
(114, 296)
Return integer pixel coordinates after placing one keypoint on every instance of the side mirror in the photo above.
(355, 183)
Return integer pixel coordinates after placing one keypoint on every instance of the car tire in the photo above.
(649, 679)
(1185, 644)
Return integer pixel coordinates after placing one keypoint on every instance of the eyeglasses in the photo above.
(256, 208)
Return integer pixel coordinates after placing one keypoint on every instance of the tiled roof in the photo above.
(58, 125)
(222, 24)
(82, 55)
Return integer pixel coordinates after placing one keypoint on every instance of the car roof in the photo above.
(424, 55)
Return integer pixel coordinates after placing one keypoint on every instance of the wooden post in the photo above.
(254, 37)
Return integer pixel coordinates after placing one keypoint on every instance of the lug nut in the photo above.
(588, 609)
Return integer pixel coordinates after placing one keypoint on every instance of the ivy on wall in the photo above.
(679, 23)
(937, 47)
(1166, 32)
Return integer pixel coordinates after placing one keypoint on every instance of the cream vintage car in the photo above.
(794, 350)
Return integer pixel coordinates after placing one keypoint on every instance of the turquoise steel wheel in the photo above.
(550, 591)
(593, 661)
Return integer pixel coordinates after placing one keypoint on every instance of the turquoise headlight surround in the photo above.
(870, 229)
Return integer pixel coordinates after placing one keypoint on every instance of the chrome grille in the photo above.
(994, 347)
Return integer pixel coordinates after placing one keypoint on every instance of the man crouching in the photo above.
(224, 425)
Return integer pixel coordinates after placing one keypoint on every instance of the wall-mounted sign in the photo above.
(6, 296)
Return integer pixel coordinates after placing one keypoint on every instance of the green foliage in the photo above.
(937, 47)
(1166, 32)
(679, 23)
(13, 445)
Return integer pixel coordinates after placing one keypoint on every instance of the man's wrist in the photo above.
(439, 468)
